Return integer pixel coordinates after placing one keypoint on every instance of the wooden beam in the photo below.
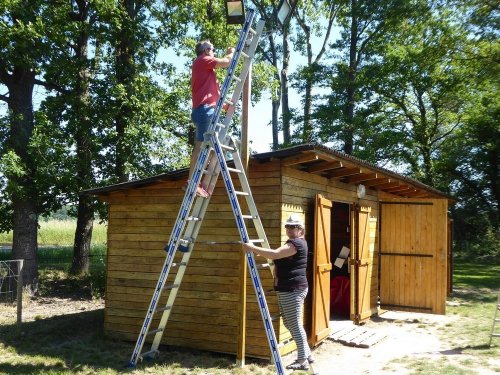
(389, 185)
(242, 321)
(299, 159)
(361, 178)
(378, 181)
(325, 166)
(418, 194)
(408, 191)
(396, 189)
(344, 172)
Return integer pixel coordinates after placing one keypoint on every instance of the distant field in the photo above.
(60, 233)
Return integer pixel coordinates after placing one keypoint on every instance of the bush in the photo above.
(483, 248)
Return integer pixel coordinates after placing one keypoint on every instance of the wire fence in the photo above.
(11, 284)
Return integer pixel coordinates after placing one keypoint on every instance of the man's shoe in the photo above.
(310, 359)
(202, 192)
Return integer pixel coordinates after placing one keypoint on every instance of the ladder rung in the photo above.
(149, 354)
(227, 147)
(285, 342)
(260, 240)
(250, 30)
(227, 101)
(495, 334)
(234, 170)
(237, 78)
(248, 217)
(275, 317)
(171, 286)
(241, 193)
(220, 126)
(155, 331)
(161, 309)
(244, 55)
(193, 218)
(264, 265)
(179, 264)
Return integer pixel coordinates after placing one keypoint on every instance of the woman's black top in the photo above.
(291, 271)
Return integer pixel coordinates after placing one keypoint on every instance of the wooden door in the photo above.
(321, 271)
(361, 266)
(413, 255)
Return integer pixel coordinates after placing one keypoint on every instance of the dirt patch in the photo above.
(35, 308)
(408, 336)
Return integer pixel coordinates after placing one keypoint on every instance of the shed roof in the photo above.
(320, 160)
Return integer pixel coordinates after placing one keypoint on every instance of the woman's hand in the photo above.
(249, 247)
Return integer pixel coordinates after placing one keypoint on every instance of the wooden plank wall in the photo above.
(418, 277)
(299, 190)
(205, 313)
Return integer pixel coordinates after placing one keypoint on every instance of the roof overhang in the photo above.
(319, 160)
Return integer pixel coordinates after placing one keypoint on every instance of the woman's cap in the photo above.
(295, 220)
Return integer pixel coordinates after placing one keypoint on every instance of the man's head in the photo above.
(204, 47)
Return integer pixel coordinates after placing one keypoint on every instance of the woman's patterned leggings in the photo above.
(290, 304)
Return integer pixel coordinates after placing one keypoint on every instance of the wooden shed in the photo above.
(394, 229)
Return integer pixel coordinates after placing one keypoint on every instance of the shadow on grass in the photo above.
(476, 275)
(75, 342)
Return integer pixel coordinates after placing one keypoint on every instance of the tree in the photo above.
(310, 15)
(424, 89)
(364, 25)
(272, 52)
(23, 53)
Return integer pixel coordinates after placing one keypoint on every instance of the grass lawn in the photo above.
(75, 343)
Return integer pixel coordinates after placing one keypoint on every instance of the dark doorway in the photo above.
(340, 252)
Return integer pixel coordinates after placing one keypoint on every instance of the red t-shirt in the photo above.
(204, 84)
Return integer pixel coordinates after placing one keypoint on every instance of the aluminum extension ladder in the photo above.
(217, 150)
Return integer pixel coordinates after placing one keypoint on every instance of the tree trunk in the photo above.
(307, 135)
(275, 115)
(125, 73)
(348, 135)
(83, 126)
(25, 197)
(83, 236)
(285, 106)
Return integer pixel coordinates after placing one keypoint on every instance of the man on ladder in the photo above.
(215, 152)
(205, 94)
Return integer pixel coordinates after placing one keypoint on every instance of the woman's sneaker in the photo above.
(299, 365)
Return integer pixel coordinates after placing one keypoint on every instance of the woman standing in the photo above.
(290, 284)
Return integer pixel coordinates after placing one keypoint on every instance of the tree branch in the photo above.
(52, 86)
(5, 98)
(331, 18)
(5, 77)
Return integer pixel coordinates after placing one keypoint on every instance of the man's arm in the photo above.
(225, 61)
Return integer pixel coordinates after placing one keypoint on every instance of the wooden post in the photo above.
(20, 264)
(244, 151)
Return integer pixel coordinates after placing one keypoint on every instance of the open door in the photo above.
(413, 255)
(361, 265)
(321, 271)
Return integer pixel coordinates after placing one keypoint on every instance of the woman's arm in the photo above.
(284, 251)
